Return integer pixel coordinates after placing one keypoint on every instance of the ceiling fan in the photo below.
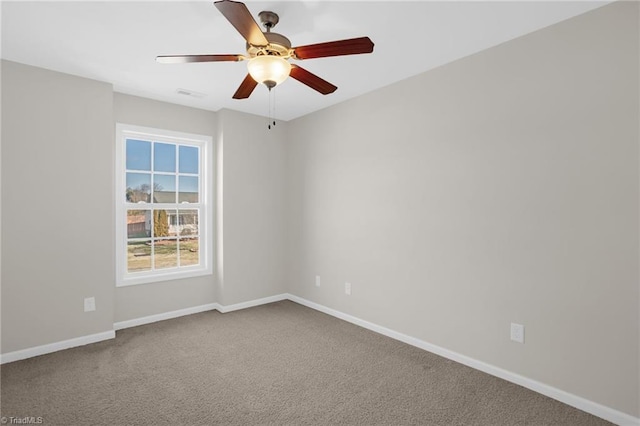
(268, 52)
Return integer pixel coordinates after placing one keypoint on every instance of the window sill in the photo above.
(164, 276)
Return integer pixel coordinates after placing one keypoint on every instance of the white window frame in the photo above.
(205, 205)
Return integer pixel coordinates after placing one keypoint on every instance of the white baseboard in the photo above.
(57, 346)
(197, 309)
(165, 316)
(85, 340)
(230, 308)
(578, 402)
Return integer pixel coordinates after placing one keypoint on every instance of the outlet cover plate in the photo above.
(517, 332)
(347, 289)
(90, 304)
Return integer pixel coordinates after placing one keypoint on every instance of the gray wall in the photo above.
(250, 240)
(59, 129)
(57, 206)
(500, 188)
(254, 208)
(142, 300)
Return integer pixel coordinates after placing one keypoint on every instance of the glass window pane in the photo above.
(138, 155)
(164, 223)
(138, 256)
(165, 253)
(189, 251)
(138, 223)
(188, 223)
(164, 157)
(138, 188)
(164, 188)
(188, 189)
(189, 159)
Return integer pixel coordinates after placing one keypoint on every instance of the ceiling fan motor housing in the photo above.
(278, 45)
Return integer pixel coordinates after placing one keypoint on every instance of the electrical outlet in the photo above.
(89, 304)
(517, 332)
(317, 280)
(347, 289)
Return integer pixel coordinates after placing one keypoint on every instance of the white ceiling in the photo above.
(117, 42)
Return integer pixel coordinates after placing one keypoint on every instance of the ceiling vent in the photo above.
(187, 92)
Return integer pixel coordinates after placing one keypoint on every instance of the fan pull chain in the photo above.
(269, 115)
(271, 120)
(273, 116)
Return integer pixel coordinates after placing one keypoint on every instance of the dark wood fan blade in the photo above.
(312, 80)
(246, 87)
(352, 46)
(240, 17)
(181, 59)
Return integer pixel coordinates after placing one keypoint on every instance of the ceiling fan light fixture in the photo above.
(268, 52)
(269, 70)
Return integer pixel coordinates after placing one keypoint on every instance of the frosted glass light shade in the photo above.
(269, 70)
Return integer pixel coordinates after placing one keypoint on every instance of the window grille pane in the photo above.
(189, 159)
(164, 157)
(138, 155)
(138, 223)
(189, 251)
(138, 188)
(188, 186)
(162, 223)
(188, 223)
(164, 188)
(138, 256)
(166, 253)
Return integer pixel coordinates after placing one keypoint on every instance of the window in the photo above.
(163, 205)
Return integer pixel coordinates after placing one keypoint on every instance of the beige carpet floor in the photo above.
(277, 364)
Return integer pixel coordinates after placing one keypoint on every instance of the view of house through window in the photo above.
(162, 196)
